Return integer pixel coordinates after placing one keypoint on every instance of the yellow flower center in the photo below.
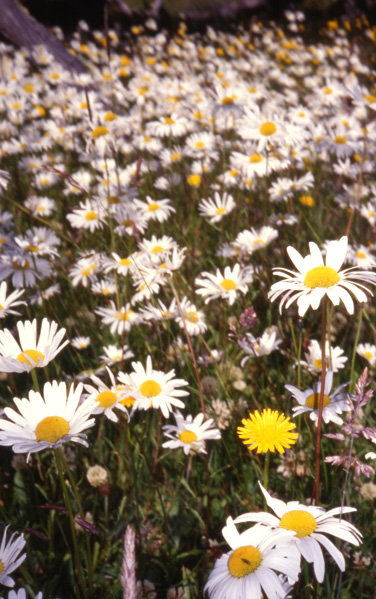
(85, 272)
(125, 315)
(321, 276)
(302, 522)
(128, 401)
(113, 200)
(327, 91)
(29, 88)
(91, 215)
(125, 262)
(318, 364)
(150, 388)
(175, 156)
(244, 561)
(368, 355)
(339, 139)
(99, 132)
(51, 429)
(313, 401)
(228, 284)
(187, 437)
(106, 399)
(227, 100)
(361, 255)
(1, 567)
(370, 98)
(156, 249)
(153, 206)
(234, 172)
(194, 180)
(31, 248)
(169, 121)
(255, 158)
(220, 210)
(199, 145)
(30, 357)
(110, 116)
(191, 316)
(268, 128)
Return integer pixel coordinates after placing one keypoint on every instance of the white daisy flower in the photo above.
(249, 241)
(153, 388)
(89, 215)
(334, 403)
(11, 300)
(9, 556)
(335, 360)
(47, 421)
(367, 351)
(81, 342)
(261, 346)
(309, 522)
(216, 209)
(190, 318)
(113, 354)
(316, 280)
(190, 433)
(158, 210)
(107, 398)
(249, 569)
(30, 352)
(225, 286)
(120, 321)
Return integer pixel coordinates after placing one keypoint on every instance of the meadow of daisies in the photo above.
(187, 340)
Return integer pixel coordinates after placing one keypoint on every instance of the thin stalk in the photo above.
(78, 567)
(352, 383)
(321, 402)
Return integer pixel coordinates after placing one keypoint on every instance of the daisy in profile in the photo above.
(158, 210)
(107, 398)
(11, 300)
(268, 431)
(249, 569)
(190, 433)
(113, 354)
(153, 388)
(216, 209)
(81, 342)
(334, 403)
(310, 524)
(47, 421)
(315, 280)
(30, 352)
(10, 557)
(225, 286)
(190, 318)
(260, 346)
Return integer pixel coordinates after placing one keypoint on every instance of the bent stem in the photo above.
(78, 567)
(321, 402)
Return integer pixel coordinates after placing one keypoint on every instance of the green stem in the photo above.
(35, 379)
(266, 474)
(78, 568)
(321, 402)
(352, 384)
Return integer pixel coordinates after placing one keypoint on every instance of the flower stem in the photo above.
(78, 567)
(321, 402)
(352, 383)
(266, 470)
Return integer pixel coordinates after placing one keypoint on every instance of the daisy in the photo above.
(107, 398)
(216, 209)
(11, 300)
(360, 256)
(262, 346)
(335, 360)
(268, 431)
(248, 570)
(81, 342)
(47, 421)
(225, 286)
(309, 523)
(89, 215)
(248, 242)
(190, 318)
(113, 354)
(190, 433)
(121, 320)
(159, 210)
(316, 280)
(367, 351)
(153, 388)
(168, 126)
(334, 403)
(30, 352)
(25, 271)
(9, 556)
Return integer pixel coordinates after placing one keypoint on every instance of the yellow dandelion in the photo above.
(268, 431)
